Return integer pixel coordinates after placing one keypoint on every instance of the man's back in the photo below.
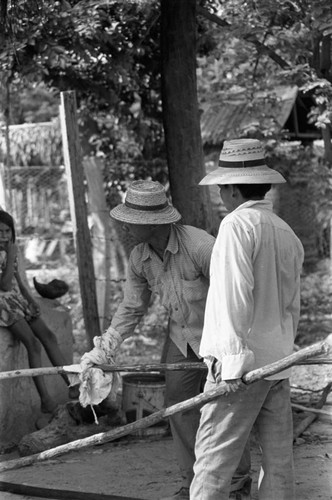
(277, 261)
(259, 260)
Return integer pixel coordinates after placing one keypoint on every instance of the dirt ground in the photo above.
(145, 468)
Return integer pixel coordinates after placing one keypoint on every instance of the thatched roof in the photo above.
(237, 117)
(33, 144)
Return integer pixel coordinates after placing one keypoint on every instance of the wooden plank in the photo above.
(40, 491)
(75, 179)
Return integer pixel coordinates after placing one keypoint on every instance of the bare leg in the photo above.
(22, 331)
(49, 341)
(51, 346)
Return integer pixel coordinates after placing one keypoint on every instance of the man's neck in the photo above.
(160, 238)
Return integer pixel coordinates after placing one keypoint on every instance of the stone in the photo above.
(19, 400)
(70, 422)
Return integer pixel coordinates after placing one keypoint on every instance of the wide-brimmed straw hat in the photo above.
(146, 203)
(242, 161)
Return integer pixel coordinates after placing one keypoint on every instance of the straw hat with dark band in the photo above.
(146, 203)
(242, 161)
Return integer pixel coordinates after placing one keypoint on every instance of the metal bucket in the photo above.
(142, 395)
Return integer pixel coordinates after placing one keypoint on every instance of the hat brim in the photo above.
(248, 175)
(167, 215)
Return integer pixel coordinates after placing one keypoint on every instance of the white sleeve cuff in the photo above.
(235, 365)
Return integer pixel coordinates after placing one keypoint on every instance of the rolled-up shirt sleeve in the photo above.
(135, 301)
(202, 255)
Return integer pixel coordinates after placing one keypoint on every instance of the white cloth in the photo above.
(253, 303)
(96, 385)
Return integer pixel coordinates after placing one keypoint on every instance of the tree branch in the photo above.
(250, 38)
(3, 18)
(304, 424)
(3, 12)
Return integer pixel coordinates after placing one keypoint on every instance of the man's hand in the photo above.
(87, 362)
(104, 351)
(96, 385)
(235, 385)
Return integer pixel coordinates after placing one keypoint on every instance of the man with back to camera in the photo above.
(251, 318)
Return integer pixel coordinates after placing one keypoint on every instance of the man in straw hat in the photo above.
(251, 317)
(171, 260)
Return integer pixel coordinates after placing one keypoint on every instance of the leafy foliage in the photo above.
(292, 41)
(107, 52)
(30, 104)
(306, 164)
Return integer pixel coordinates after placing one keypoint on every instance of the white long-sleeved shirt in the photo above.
(253, 303)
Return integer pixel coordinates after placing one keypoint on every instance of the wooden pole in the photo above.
(199, 400)
(59, 370)
(312, 410)
(75, 178)
(304, 424)
(8, 148)
(55, 370)
(299, 356)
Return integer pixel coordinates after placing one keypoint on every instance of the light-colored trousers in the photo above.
(225, 426)
(182, 385)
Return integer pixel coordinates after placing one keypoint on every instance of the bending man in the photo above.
(173, 261)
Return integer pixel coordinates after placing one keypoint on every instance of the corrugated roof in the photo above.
(235, 117)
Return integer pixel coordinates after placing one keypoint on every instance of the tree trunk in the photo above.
(181, 114)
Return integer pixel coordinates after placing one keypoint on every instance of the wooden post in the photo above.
(330, 243)
(3, 195)
(8, 150)
(101, 237)
(75, 179)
